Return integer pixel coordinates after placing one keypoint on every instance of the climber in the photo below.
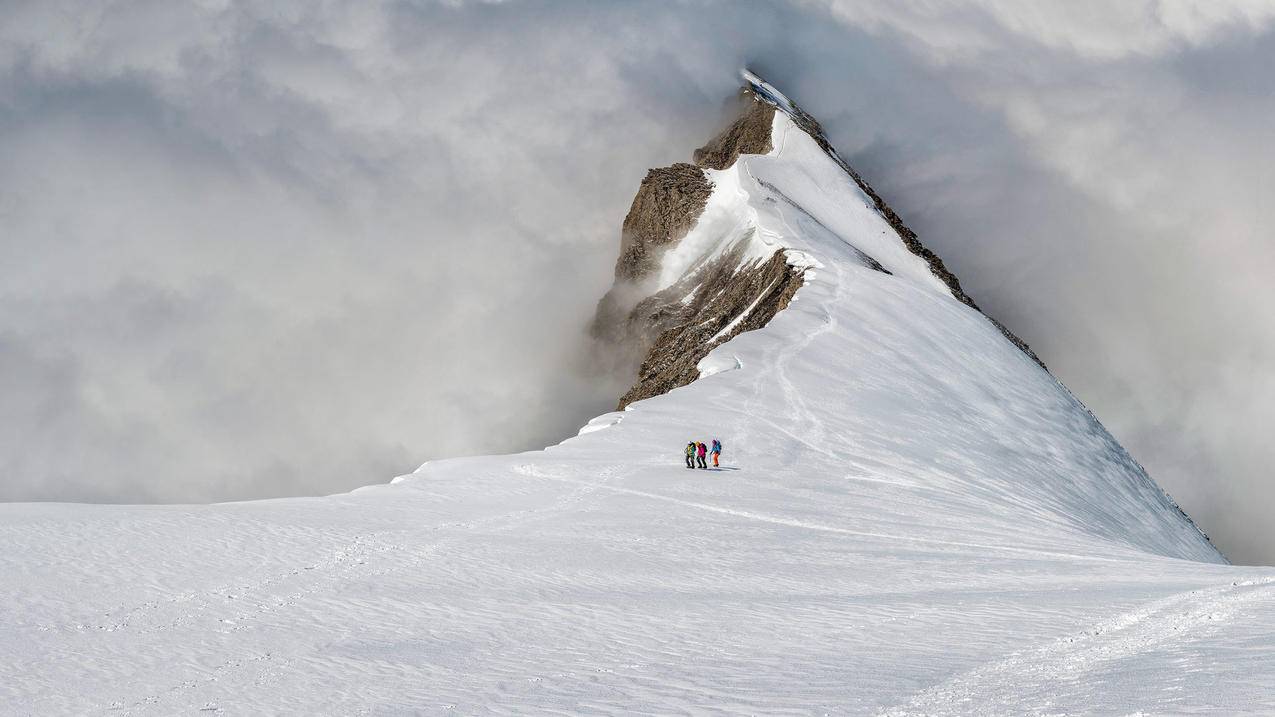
(716, 451)
(690, 454)
(700, 453)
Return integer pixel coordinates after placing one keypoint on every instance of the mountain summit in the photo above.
(912, 516)
(698, 266)
(720, 247)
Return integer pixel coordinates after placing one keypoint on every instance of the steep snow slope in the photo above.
(913, 517)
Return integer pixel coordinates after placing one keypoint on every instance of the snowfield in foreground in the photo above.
(912, 517)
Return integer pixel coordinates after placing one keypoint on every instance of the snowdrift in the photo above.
(913, 516)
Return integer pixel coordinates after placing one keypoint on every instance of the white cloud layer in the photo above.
(283, 247)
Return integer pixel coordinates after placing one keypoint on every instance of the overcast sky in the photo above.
(253, 249)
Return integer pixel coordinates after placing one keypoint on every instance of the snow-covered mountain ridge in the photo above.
(739, 246)
(913, 518)
(673, 302)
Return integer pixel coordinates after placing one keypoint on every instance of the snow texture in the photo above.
(912, 518)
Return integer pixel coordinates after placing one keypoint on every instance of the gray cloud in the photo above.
(275, 248)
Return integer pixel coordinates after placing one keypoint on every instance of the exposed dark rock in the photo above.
(750, 134)
(726, 303)
(667, 204)
(673, 329)
(672, 335)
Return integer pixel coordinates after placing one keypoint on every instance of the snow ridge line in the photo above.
(808, 124)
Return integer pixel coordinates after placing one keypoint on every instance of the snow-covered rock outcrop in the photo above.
(696, 266)
(912, 518)
(694, 270)
(733, 240)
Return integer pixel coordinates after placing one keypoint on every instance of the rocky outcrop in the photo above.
(668, 202)
(672, 329)
(750, 134)
(725, 302)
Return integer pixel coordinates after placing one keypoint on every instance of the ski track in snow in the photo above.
(809, 429)
(913, 519)
(1028, 681)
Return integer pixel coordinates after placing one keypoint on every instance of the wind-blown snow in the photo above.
(912, 517)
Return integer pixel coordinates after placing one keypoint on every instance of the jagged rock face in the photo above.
(750, 134)
(725, 302)
(671, 199)
(667, 204)
(674, 328)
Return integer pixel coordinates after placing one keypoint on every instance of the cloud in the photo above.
(281, 248)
